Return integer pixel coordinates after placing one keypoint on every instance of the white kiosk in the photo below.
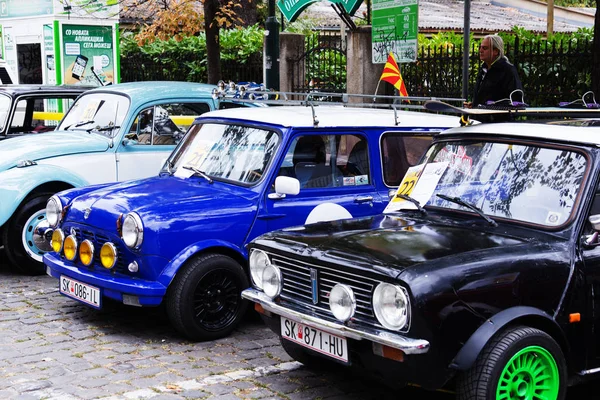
(55, 42)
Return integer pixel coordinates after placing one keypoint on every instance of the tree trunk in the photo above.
(213, 47)
(596, 54)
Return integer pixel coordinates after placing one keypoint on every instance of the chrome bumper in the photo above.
(407, 345)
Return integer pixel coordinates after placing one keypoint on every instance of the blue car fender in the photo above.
(186, 254)
(18, 183)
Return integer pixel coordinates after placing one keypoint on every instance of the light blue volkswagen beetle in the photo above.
(113, 133)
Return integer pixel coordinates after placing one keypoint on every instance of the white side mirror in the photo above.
(285, 185)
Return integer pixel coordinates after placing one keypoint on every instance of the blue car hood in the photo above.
(161, 202)
(47, 145)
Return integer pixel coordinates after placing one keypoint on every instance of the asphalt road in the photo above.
(52, 347)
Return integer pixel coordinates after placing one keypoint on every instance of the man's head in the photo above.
(490, 49)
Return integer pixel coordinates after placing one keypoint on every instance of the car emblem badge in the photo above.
(86, 213)
(315, 286)
(73, 231)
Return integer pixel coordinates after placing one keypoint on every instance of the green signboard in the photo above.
(25, 8)
(291, 9)
(395, 29)
(88, 48)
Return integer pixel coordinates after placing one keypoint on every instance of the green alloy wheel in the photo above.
(530, 374)
(518, 363)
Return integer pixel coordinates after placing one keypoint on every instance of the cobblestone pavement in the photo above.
(52, 347)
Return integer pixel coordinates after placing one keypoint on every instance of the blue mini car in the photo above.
(113, 133)
(179, 238)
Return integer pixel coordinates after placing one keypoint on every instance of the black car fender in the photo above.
(528, 315)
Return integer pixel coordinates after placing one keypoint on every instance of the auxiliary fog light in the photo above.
(390, 303)
(259, 260)
(58, 238)
(133, 267)
(272, 281)
(342, 302)
(70, 247)
(108, 255)
(86, 253)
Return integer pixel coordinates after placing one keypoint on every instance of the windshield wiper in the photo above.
(104, 128)
(459, 201)
(198, 172)
(82, 123)
(414, 201)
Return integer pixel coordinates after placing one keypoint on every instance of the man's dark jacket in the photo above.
(497, 83)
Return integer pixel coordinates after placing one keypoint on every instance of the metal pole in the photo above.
(271, 62)
(466, 49)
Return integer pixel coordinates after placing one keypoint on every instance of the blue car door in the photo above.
(332, 168)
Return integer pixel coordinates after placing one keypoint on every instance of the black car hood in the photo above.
(391, 244)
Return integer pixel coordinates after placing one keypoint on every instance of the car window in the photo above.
(320, 161)
(100, 113)
(164, 124)
(39, 114)
(400, 151)
(5, 103)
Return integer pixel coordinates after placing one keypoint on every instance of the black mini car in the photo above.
(34, 108)
(492, 286)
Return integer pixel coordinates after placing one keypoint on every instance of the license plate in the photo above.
(315, 339)
(87, 294)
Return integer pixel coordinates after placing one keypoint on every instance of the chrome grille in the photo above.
(297, 286)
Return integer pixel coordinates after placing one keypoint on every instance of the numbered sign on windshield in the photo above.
(419, 183)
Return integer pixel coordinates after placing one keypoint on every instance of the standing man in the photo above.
(497, 77)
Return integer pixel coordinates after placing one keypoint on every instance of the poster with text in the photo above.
(88, 55)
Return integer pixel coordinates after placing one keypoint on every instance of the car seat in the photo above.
(358, 160)
(309, 162)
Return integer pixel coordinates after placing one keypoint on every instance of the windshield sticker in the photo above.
(418, 183)
(349, 181)
(362, 179)
(458, 161)
(90, 111)
(553, 218)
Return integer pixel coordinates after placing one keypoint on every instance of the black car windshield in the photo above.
(527, 183)
(5, 102)
(101, 113)
(232, 152)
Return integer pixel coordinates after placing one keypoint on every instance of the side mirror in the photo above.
(285, 185)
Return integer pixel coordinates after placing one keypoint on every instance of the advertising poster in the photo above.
(25, 8)
(88, 51)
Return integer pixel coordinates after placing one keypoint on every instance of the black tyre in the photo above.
(517, 364)
(24, 248)
(203, 301)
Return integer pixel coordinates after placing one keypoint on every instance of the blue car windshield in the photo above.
(226, 151)
(101, 113)
(522, 182)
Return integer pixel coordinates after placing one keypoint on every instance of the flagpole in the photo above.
(376, 89)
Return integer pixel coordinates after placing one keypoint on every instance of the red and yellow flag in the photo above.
(391, 74)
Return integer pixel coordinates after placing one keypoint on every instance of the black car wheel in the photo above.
(24, 247)
(520, 363)
(203, 301)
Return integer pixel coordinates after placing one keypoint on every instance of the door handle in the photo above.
(363, 199)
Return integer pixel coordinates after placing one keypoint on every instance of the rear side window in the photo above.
(400, 151)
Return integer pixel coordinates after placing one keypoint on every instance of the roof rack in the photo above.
(486, 114)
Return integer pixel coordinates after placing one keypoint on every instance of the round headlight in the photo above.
(342, 302)
(390, 304)
(54, 211)
(86, 253)
(272, 281)
(258, 262)
(108, 255)
(133, 231)
(58, 238)
(70, 247)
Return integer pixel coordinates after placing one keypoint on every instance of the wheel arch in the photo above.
(520, 315)
(198, 249)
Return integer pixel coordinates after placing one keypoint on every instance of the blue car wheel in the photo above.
(203, 301)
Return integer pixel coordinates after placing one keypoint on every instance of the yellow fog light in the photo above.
(70, 247)
(86, 253)
(58, 238)
(108, 255)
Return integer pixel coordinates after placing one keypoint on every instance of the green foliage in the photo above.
(186, 59)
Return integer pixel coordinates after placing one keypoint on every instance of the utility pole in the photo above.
(550, 18)
(271, 61)
(466, 49)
